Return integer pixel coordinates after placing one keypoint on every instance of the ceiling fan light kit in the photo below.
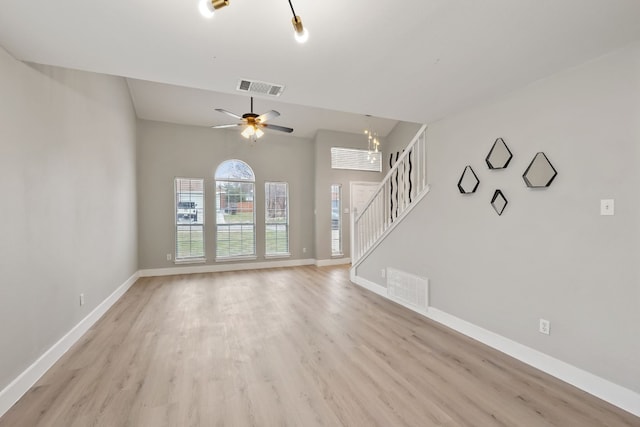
(250, 131)
(208, 7)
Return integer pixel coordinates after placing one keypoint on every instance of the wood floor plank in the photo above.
(289, 347)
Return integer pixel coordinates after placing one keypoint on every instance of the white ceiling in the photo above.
(412, 60)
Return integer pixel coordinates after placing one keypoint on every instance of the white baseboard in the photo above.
(18, 387)
(369, 285)
(603, 389)
(333, 261)
(586, 381)
(215, 268)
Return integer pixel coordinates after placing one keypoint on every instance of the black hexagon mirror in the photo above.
(540, 172)
(499, 156)
(499, 202)
(468, 181)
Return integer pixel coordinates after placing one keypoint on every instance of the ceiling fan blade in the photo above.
(226, 126)
(276, 127)
(235, 116)
(266, 116)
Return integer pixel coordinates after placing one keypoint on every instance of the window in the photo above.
(361, 160)
(276, 219)
(235, 215)
(189, 219)
(336, 220)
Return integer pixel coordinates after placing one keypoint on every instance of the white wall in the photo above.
(68, 205)
(166, 151)
(550, 255)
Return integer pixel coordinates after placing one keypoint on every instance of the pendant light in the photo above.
(301, 34)
(208, 7)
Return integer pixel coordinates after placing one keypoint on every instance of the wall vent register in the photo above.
(408, 289)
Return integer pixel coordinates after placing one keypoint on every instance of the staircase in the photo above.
(400, 191)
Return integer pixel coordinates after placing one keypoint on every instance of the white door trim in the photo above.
(352, 208)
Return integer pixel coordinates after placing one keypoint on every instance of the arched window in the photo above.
(235, 213)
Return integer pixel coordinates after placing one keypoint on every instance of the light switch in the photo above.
(606, 207)
(346, 210)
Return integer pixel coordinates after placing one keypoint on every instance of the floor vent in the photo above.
(407, 289)
(263, 88)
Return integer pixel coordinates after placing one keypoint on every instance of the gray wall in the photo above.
(550, 255)
(68, 207)
(325, 177)
(166, 151)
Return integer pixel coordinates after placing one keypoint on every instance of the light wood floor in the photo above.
(289, 347)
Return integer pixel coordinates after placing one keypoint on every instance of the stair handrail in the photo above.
(380, 214)
(397, 164)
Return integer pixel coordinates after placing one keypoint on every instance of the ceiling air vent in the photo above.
(264, 88)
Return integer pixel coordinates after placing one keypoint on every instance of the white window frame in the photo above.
(286, 253)
(219, 214)
(197, 213)
(338, 216)
(356, 159)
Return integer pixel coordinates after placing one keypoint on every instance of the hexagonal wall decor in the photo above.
(499, 202)
(469, 181)
(499, 156)
(540, 172)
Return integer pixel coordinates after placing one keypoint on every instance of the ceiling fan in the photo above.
(253, 122)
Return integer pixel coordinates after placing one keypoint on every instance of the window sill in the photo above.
(340, 255)
(236, 258)
(191, 261)
(275, 256)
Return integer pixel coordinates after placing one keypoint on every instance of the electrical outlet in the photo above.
(81, 300)
(304, 250)
(607, 207)
(168, 257)
(383, 273)
(545, 327)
